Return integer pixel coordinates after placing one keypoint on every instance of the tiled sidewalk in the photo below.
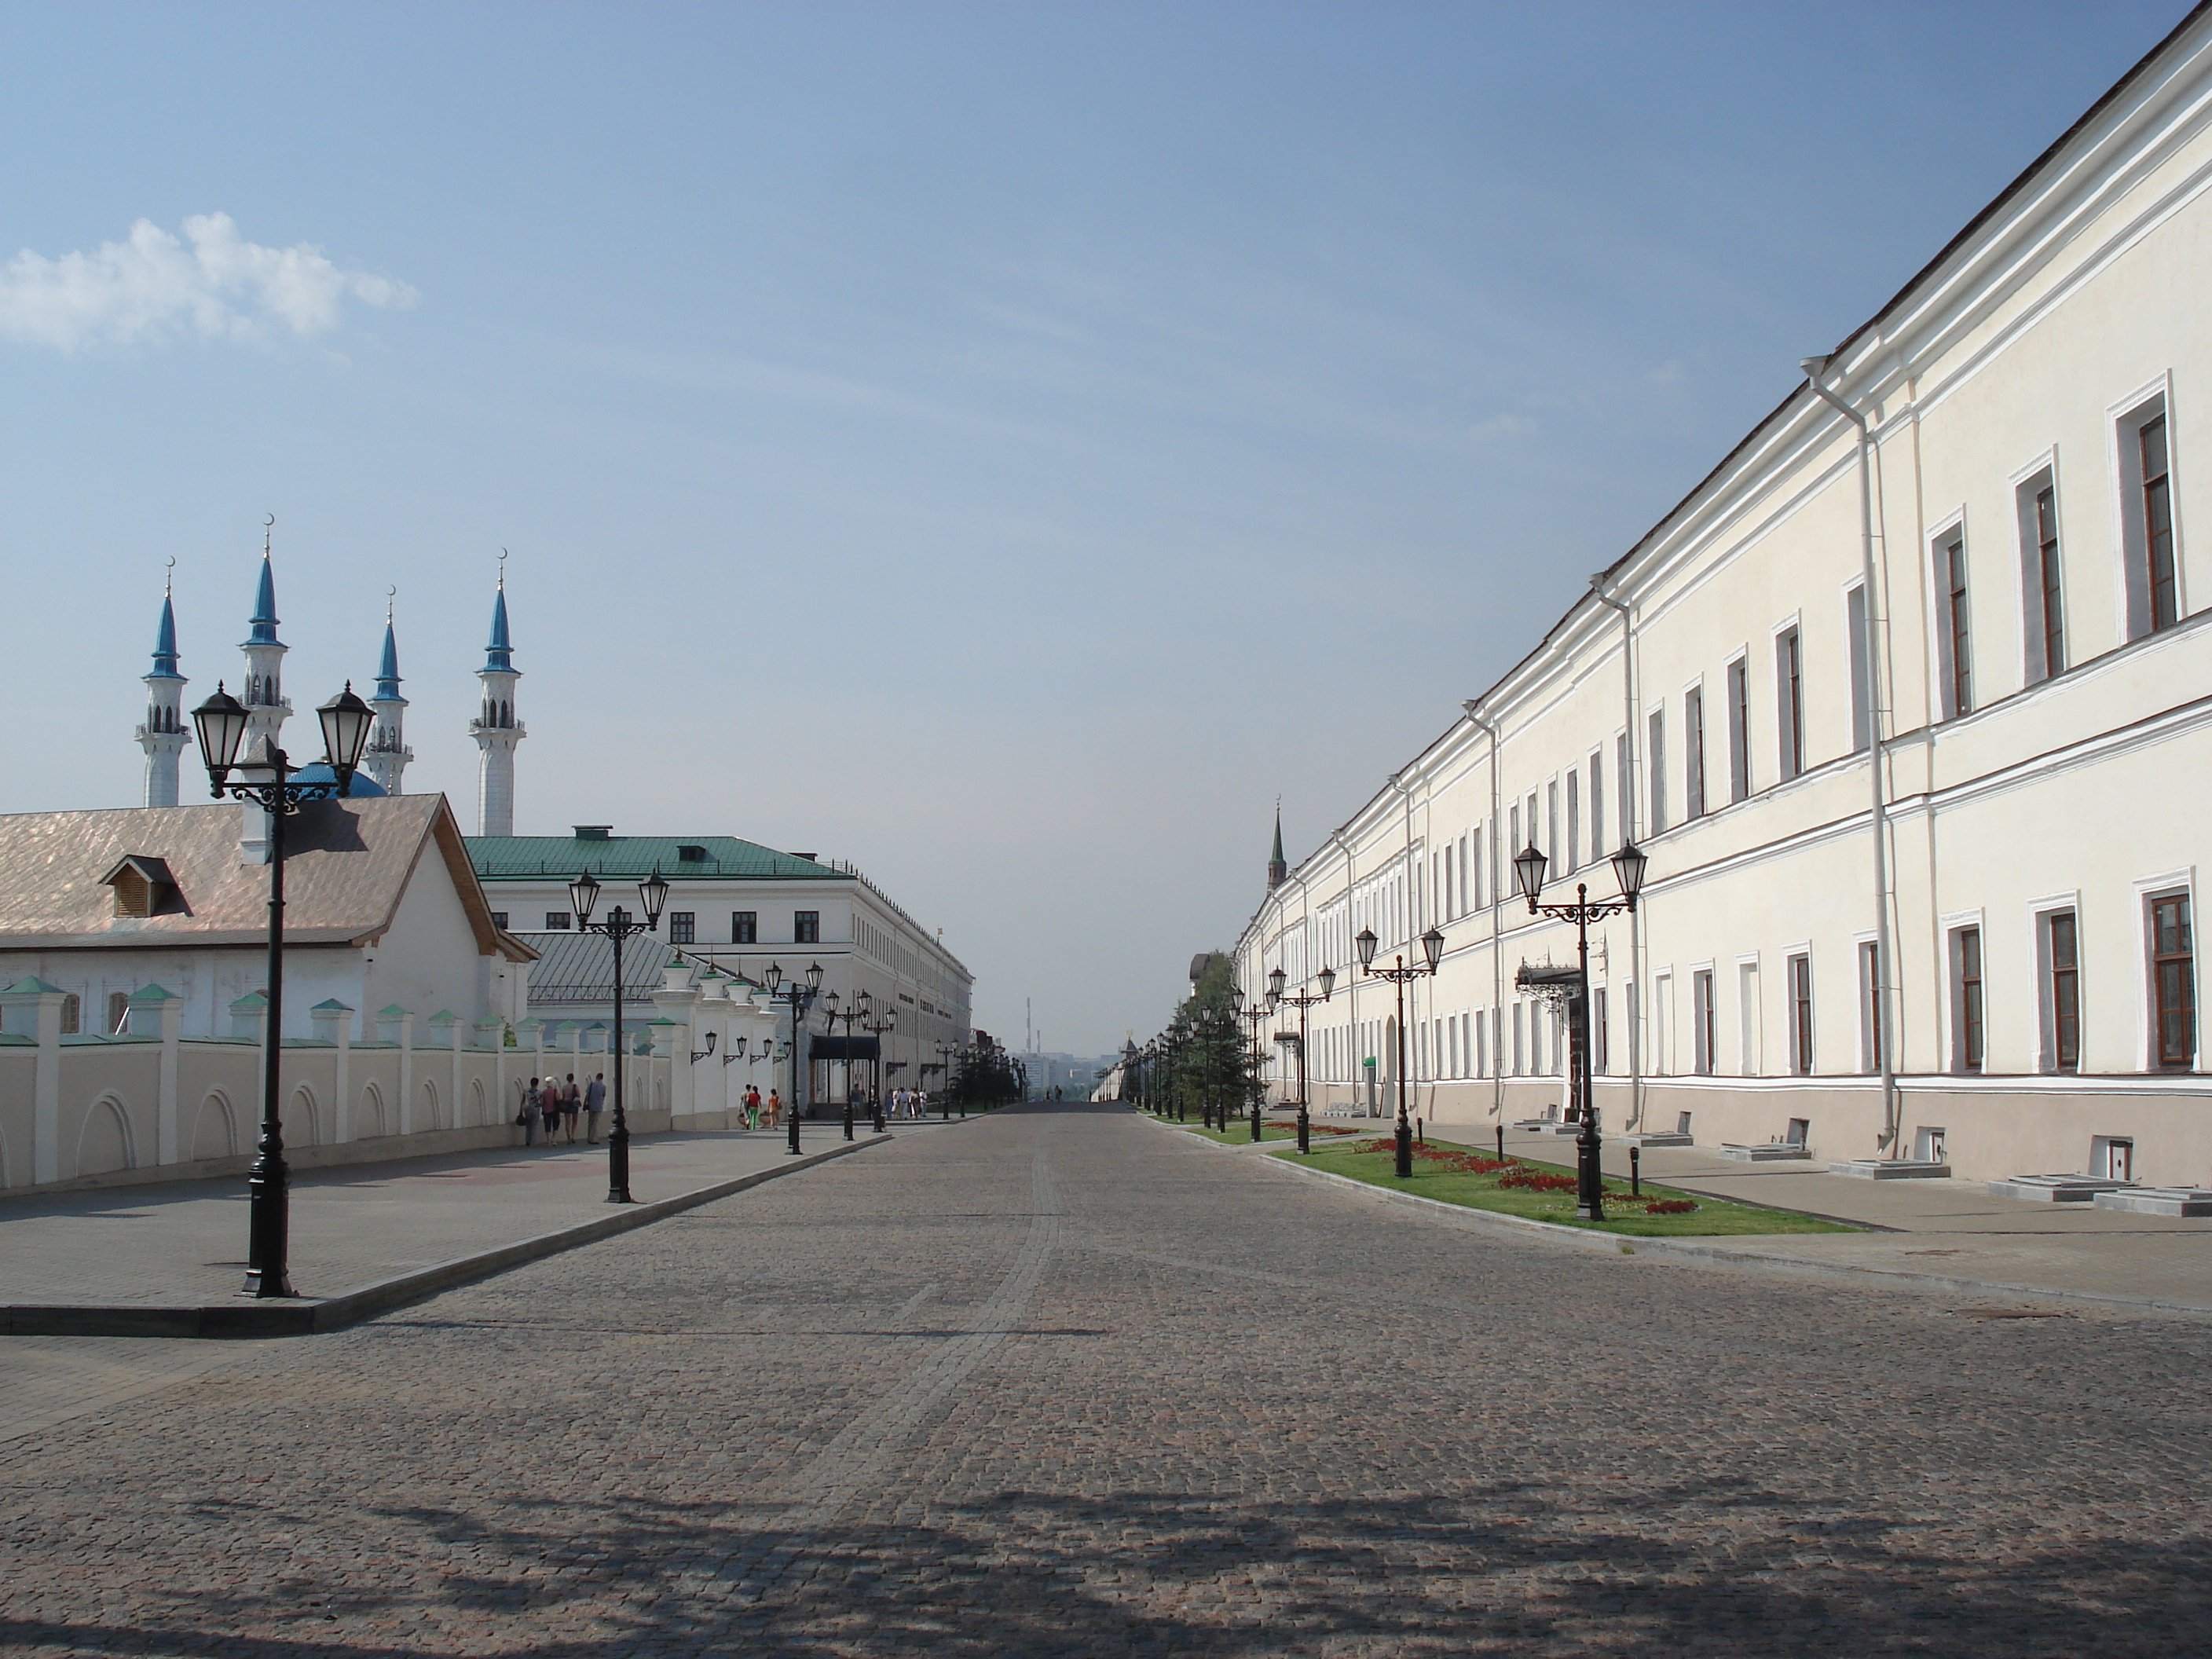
(184, 1242)
(1951, 1232)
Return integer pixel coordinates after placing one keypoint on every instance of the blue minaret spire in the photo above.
(162, 737)
(266, 707)
(388, 753)
(265, 618)
(495, 728)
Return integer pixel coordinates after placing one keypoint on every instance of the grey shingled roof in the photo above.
(576, 967)
(348, 862)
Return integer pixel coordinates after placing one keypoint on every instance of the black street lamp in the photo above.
(879, 1027)
(848, 1015)
(1432, 948)
(1259, 1014)
(1302, 1001)
(584, 898)
(266, 778)
(1628, 869)
(799, 996)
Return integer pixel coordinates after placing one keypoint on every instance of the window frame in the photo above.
(1969, 961)
(1704, 1029)
(806, 928)
(2059, 986)
(744, 927)
(1797, 985)
(2129, 418)
(1953, 610)
(688, 920)
(1694, 804)
(559, 922)
(1790, 699)
(2038, 520)
(1739, 716)
(2156, 981)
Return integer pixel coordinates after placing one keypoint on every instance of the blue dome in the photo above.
(362, 784)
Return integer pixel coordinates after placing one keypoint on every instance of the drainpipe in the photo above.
(1884, 1006)
(1628, 833)
(1496, 912)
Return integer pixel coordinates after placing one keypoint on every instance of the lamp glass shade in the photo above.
(866, 999)
(773, 978)
(1529, 866)
(814, 977)
(584, 897)
(890, 1019)
(652, 893)
(219, 725)
(1237, 997)
(737, 1047)
(1432, 947)
(1275, 977)
(1628, 865)
(346, 722)
(1327, 978)
(830, 997)
(1365, 941)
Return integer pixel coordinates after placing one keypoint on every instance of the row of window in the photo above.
(1528, 1039)
(684, 926)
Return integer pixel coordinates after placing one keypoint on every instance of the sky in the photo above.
(1006, 446)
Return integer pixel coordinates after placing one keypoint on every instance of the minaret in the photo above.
(388, 753)
(163, 734)
(1277, 871)
(495, 728)
(266, 707)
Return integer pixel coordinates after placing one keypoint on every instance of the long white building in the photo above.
(1916, 734)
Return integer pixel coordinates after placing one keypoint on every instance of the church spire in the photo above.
(162, 736)
(388, 753)
(1278, 870)
(495, 728)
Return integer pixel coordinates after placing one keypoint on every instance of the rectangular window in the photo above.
(557, 921)
(72, 1012)
(1789, 704)
(1854, 629)
(499, 918)
(1448, 912)
(1956, 642)
(2038, 507)
(2174, 983)
(806, 928)
(1597, 808)
(1474, 864)
(118, 1010)
(683, 926)
(1801, 1015)
(1701, 1017)
(744, 926)
(2061, 953)
(1746, 1004)
(1966, 965)
(1739, 716)
(1693, 752)
(1655, 764)
(1870, 1004)
(1551, 821)
(1601, 1047)
(2158, 522)
(1513, 823)
(1573, 846)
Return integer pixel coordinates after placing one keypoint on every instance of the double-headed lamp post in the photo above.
(1259, 1013)
(266, 778)
(1628, 864)
(850, 1015)
(878, 1026)
(1432, 950)
(799, 996)
(1300, 1000)
(584, 898)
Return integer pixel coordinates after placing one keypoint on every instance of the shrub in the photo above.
(1536, 1181)
(1668, 1206)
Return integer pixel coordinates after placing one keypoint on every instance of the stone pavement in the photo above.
(2073, 1250)
(176, 1241)
(1059, 1382)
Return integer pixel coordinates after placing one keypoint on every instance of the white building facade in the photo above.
(1914, 768)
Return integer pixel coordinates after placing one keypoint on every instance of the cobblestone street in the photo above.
(1061, 1380)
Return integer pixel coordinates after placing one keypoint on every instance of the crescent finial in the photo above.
(268, 529)
(169, 582)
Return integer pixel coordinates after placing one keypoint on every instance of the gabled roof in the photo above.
(538, 858)
(576, 967)
(349, 861)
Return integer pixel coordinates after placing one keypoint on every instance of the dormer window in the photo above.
(691, 855)
(144, 887)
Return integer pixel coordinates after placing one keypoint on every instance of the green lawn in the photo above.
(1624, 1214)
(1242, 1132)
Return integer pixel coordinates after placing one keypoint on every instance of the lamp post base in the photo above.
(1305, 1129)
(1255, 1120)
(848, 1120)
(618, 1165)
(1405, 1149)
(1589, 1177)
(794, 1128)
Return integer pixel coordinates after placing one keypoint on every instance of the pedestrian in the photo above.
(752, 1107)
(548, 1106)
(774, 1106)
(571, 1106)
(528, 1115)
(595, 1106)
(919, 1102)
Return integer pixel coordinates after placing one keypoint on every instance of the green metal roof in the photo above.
(534, 858)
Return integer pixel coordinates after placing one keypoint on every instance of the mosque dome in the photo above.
(362, 784)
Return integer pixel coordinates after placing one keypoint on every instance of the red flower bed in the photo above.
(1536, 1181)
(1668, 1206)
(1450, 1158)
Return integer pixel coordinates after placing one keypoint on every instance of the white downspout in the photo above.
(1884, 1008)
(1630, 1016)
(1497, 913)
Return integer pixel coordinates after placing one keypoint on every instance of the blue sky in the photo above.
(1003, 446)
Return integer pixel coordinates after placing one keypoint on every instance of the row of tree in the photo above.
(1202, 1062)
(985, 1074)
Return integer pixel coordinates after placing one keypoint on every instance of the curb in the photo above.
(1610, 1244)
(308, 1316)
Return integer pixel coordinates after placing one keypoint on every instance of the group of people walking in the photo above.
(549, 1105)
(761, 1114)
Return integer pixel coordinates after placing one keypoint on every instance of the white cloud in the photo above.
(212, 282)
